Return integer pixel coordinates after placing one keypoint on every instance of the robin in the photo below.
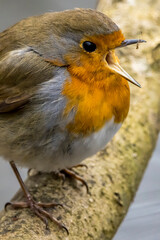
(63, 94)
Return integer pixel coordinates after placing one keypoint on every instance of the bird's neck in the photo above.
(96, 102)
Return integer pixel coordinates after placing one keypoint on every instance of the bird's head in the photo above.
(88, 41)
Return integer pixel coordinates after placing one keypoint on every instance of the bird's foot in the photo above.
(70, 172)
(38, 209)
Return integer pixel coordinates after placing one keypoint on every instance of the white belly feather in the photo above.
(80, 149)
(90, 145)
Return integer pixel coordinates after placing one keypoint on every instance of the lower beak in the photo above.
(114, 65)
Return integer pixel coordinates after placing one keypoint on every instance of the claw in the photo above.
(6, 205)
(16, 205)
(48, 215)
(77, 177)
(49, 205)
(62, 176)
(46, 223)
(65, 228)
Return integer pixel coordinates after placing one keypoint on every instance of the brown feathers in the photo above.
(21, 72)
(13, 103)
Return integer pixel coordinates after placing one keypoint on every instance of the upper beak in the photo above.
(114, 65)
(127, 42)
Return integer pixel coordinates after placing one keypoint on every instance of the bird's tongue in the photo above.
(114, 65)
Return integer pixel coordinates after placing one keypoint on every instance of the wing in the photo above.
(21, 71)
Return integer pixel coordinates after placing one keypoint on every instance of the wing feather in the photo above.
(21, 71)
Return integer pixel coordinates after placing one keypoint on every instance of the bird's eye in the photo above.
(89, 46)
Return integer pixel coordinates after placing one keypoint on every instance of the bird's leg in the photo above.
(70, 172)
(36, 207)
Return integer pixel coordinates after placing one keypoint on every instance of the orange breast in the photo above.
(96, 103)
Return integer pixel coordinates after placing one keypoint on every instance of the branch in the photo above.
(113, 174)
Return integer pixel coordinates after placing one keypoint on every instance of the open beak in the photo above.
(114, 64)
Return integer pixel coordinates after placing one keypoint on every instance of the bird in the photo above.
(63, 93)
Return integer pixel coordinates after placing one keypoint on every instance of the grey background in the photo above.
(143, 219)
(12, 11)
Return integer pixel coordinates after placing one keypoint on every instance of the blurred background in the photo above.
(143, 218)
